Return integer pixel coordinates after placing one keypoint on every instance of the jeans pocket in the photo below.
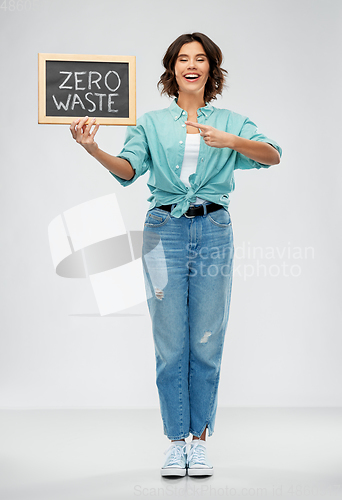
(220, 217)
(156, 217)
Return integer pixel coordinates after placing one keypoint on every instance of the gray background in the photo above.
(283, 344)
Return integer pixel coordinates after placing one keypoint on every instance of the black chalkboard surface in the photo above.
(78, 85)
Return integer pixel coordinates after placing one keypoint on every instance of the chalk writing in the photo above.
(75, 88)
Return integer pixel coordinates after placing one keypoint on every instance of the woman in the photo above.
(191, 150)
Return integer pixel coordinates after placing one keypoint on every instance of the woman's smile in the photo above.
(192, 77)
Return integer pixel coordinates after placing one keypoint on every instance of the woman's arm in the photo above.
(82, 135)
(119, 166)
(258, 151)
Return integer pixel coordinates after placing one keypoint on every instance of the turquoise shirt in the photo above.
(157, 144)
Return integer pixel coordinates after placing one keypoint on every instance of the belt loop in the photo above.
(205, 208)
(173, 206)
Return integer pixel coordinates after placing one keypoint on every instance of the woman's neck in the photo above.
(190, 102)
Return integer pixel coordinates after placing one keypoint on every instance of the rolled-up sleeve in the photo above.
(135, 151)
(250, 131)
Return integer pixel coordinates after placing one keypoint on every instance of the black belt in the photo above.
(193, 211)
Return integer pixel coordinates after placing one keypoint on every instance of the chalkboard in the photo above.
(71, 85)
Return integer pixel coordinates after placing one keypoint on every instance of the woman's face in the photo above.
(192, 68)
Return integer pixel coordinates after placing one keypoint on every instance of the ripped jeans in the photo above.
(188, 270)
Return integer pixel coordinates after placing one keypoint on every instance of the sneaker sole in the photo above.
(173, 471)
(200, 472)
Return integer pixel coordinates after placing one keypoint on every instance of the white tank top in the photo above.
(192, 146)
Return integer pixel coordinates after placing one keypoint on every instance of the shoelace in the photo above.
(197, 454)
(176, 452)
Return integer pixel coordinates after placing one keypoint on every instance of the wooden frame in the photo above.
(44, 118)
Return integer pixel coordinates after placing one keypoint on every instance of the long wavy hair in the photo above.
(217, 75)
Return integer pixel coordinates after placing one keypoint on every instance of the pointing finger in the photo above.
(197, 125)
(192, 124)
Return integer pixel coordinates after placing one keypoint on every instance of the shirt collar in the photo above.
(176, 111)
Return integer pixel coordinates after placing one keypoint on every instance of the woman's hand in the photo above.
(82, 134)
(259, 151)
(213, 137)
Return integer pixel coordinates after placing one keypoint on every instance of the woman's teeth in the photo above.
(191, 77)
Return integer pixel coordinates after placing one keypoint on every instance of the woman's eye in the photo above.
(185, 60)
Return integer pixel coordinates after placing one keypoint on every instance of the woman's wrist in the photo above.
(93, 149)
(230, 140)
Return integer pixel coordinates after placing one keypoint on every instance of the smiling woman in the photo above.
(206, 52)
(188, 248)
(192, 69)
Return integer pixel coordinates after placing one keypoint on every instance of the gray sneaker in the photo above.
(175, 463)
(198, 464)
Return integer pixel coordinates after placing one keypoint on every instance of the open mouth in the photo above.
(191, 77)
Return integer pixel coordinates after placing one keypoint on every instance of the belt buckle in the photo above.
(190, 216)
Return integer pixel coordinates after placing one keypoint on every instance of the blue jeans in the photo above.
(188, 269)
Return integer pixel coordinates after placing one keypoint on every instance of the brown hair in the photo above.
(216, 79)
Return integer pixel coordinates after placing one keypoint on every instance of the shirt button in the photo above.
(180, 142)
(176, 117)
(183, 112)
(202, 159)
(177, 166)
(183, 125)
